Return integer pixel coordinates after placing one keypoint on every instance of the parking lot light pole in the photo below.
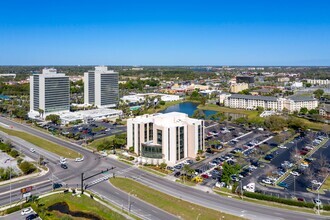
(294, 185)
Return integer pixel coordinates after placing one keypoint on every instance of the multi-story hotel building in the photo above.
(318, 81)
(49, 93)
(270, 103)
(101, 87)
(168, 138)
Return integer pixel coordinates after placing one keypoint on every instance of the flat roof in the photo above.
(253, 97)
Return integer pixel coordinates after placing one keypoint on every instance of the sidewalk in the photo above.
(43, 172)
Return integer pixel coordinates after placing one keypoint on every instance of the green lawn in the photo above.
(249, 113)
(82, 204)
(313, 125)
(173, 205)
(42, 143)
(94, 144)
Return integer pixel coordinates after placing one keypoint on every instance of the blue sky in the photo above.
(165, 32)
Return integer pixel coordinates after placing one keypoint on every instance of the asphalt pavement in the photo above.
(210, 200)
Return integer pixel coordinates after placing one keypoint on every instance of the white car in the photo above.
(108, 129)
(62, 160)
(316, 182)
(282, 146)
(103, 153)
(79, 159)
(26, 211)
(267, 181)
(32, 150)
(295, 173)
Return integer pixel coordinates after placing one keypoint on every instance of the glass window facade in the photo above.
(159, 137)
(151, 151)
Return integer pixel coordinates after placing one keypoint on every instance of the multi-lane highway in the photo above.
(94, 163)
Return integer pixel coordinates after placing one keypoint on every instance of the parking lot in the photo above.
(94, 130)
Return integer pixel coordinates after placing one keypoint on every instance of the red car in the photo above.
(205, 176)
(301, 199)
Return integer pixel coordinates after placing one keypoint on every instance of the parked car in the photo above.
(301, 199)
(267, 181)
(269, 157)
(32, 216)
(79, 159)
(64, 166)
(295, 173)
(32, 150)
(283, 184)
(177, 174)
(26, 211)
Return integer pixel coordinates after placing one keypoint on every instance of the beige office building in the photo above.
(238, 87)
(168, 138)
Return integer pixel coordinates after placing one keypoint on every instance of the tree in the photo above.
(308, 85)
(318, 93)
(199, 114)
(296, 124)
(275, 123)
(54, 118)
(41, 112)
(228, 170)
(27, 167)
(313, 112)
(303, 111)
(188, 171)
(260, 109)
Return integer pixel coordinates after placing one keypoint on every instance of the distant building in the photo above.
(238, 87)
(49, 93)
(245, 79)
(168, 138)
(296, 85)
(318, 81)
(325, 111)
(101, 87)
(283, 79)
(251, 102)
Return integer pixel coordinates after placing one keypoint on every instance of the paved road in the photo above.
(16, 216)
(240, 208)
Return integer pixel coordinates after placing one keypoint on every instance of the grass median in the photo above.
(173, 205)
(42, 143)
(79, 207)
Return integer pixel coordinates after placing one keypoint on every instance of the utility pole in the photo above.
(82, 183)
(294, 185)
(242, 189)
(10, 185)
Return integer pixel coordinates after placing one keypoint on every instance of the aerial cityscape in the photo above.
(160, 110)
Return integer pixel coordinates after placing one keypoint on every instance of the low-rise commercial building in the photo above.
(168, 138)
(90, 115)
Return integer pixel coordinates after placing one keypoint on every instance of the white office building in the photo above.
(49, 93)
(101, 87)
(168, 138)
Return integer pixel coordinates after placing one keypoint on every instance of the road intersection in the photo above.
(93, 163)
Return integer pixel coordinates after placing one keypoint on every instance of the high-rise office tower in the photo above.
(49, 93)
(101, 87)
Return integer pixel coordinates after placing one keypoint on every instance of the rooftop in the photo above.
(266, 98)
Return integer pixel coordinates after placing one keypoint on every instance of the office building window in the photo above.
(159, 137)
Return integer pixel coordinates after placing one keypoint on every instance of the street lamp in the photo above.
(294, 185)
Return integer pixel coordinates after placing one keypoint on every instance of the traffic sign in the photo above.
(25, 195)
(26, 189)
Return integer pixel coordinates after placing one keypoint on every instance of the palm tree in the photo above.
(41, 112)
